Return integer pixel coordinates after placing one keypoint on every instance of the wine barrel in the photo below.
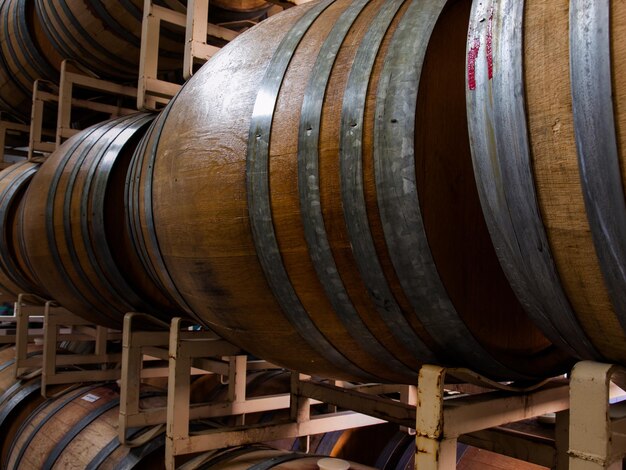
(546, 94)
(78, 429)
(75, 233)
(16, 275)
(226, 11)
(313, 200)
(26, 55)
(18, 397)
(258, 457)
(105, 36)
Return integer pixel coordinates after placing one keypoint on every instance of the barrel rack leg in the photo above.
(44, 92)
(188, 349)
(7, 127)
(597, 433)
(23, 334)
(56, 367)
(440, 421)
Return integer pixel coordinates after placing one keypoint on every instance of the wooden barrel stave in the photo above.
(301, 240)
(564, 85)
(87, 263)
(15, 275)
(71, 431)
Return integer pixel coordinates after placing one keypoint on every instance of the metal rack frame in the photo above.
(60, 325)
(439, 421)
(151, 89)
(45, 92)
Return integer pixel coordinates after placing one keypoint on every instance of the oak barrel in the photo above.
(18, 397)
(79, 429)
(75, 233)
(313, 200)
(26, 55)
(16, 276)
(546, 95)
(105, 36)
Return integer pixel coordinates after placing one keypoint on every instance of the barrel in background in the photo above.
(104, 36)
(75, 233)
(78, 428)
(16, 275)
(26, 55)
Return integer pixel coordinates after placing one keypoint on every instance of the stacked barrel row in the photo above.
(102, 36)
(320, 202)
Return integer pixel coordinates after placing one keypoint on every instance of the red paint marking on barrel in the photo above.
(472, 56)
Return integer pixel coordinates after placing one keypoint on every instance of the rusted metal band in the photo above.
(398, 198)
(308, 169)
(596, 141)
(259, 209)
(503, 171)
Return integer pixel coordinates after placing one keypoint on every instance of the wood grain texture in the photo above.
(457, 233)
(44, 430)
(200, 207)
(556, 171)
(76, 210)
(207, 241)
